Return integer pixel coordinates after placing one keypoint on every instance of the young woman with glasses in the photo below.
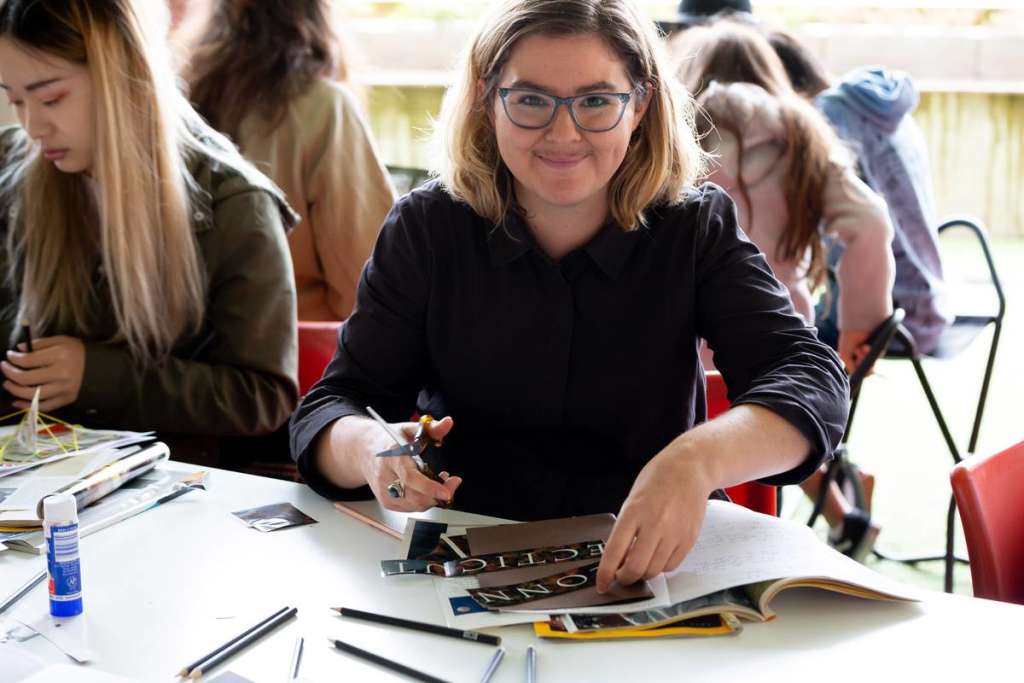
(546, 295)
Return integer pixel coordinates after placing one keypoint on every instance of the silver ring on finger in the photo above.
(396, 489)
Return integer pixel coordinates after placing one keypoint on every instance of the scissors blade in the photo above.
(397, 436)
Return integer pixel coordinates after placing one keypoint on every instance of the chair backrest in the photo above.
(406, 179)
(317, 342)
(757, 497)
(988, 493)
(878, 342)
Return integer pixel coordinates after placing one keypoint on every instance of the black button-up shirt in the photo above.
(564, 378)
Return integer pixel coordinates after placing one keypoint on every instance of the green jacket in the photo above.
(237, 376)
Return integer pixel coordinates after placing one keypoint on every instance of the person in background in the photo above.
(699, 12)
(268, 75)
(148, 257)
(546, 296)
(794, 184)
(870, 109)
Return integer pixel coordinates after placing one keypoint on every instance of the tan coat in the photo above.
(852, 213)
(323, 158)
(238, 374)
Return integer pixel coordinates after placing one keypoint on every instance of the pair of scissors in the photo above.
(413, 449)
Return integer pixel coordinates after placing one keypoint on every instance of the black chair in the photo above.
(840, 468)
(407, 179)
(956, 338)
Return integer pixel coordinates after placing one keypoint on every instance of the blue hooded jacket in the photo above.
(870, 111)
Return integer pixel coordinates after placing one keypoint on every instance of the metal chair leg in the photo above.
(983, 396)
(936, 411)
(826, 479)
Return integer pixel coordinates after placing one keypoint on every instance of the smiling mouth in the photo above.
(561, 162)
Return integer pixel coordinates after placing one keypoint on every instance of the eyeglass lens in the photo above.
(593, 112)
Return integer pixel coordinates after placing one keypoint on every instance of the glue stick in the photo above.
(60, 530)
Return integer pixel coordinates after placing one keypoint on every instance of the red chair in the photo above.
(757, 497)
(317, 342)
(988, 493)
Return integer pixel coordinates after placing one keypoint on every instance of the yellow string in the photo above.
(46, 427)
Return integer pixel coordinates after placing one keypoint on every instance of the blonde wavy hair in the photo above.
(661, 162)
(138, 227)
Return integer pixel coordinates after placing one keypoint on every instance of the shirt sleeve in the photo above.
(240, 378)
(766, 354)
(857, 217)
(350, 194)
(381, 352)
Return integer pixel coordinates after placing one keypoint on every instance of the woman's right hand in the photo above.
(421, 492)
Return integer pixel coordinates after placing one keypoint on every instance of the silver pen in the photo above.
(493, 666)
(531, 665)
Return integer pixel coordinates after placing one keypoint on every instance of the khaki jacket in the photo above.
(238, 374)
(321, 154)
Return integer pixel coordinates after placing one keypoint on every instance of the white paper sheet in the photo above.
(737, 546)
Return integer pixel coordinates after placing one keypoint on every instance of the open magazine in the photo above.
(740, 562)
(88, 476)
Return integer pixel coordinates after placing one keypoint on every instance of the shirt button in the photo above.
(198, 215)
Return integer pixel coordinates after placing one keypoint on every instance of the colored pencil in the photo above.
(385, 662)
(474, 636)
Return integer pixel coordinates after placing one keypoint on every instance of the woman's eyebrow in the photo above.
(599, 86)
(35, 86)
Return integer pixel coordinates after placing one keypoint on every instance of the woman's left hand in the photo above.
(55, 366)
(659, 522)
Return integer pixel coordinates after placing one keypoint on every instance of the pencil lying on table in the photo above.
(475, 636)
(207, 662)
(385, 662)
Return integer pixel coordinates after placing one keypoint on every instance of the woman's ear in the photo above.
(643, 101)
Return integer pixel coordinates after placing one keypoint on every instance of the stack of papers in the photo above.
(497, 575)
(106, 461)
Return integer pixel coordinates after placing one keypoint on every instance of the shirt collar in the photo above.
(609, 249)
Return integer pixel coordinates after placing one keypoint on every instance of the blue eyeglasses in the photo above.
(594, 112)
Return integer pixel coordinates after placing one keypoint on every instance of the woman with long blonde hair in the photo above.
(546, 295)
(148, 258)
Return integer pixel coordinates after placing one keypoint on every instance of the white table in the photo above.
(165, 587)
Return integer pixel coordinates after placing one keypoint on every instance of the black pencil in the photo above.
(474, 636)
(23, 591)
(384, 662)
(26, 335)
(211, 659)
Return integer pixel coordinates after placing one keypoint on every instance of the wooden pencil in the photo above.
(211, 659)
(474, 636)
(366, 519)
(385, 662)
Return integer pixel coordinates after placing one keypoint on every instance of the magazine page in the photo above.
(737, 547)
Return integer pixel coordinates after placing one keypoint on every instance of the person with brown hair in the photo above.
(269, 74)
(870, 110)
(794, 184)
(148, 257)
(546, 294)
